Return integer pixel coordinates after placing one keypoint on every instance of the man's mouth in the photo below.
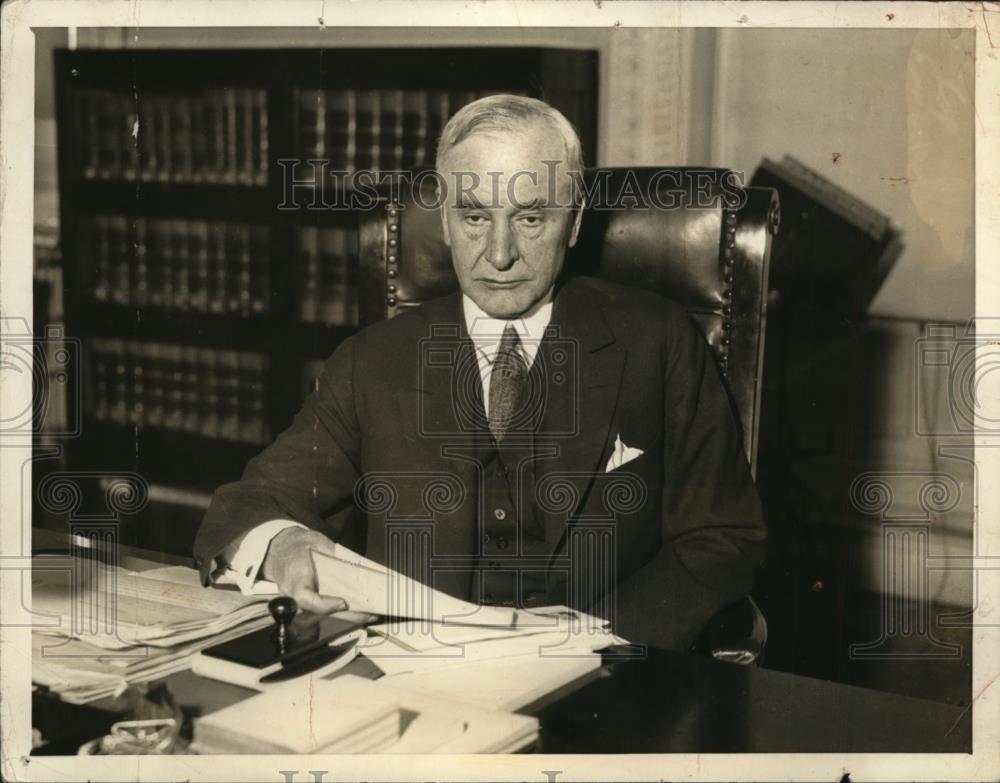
(500, 284)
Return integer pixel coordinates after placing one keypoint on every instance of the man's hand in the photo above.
(289, 564)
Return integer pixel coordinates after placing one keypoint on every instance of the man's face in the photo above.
(507, 226)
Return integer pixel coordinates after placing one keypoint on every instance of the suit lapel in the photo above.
(580, 411)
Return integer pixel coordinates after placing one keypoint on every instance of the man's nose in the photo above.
(501, 251)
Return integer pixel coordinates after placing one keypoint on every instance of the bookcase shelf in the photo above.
(205, 302)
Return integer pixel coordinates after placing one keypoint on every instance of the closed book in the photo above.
(129, 127)
(147, 144)
(157, 260)
(366, 136)
(201, 138)
(307, 715)
(156, 382)
(109, 150)
(87, 135)
(260, 270)
(190, 409)
(260, 139)
(173, 373)
(340, 130)
(118, 386)
(438, 111)
(391, 130)
(333, 276)
(208, 392)
(217, 276)
(307, 269)
(414, 129)
(181, 138)
(164, 139)
(198, 255)
(140, 276)
(99, 367)
(120, 249)
(230, 108)
(229, 395)
(178, 231)
(96, 241)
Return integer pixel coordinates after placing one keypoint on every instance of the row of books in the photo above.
(327, 274)
(198, 265)
(216, 393)
(374, 130)
(208, 136)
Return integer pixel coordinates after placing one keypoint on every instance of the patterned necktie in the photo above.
(508, 384)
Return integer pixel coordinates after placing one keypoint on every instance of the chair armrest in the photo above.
(737, 634)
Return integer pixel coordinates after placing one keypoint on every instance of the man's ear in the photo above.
(577, 220)
(443, 213)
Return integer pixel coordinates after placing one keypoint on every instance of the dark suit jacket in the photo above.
(685, 547)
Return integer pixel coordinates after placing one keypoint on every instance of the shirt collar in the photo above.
(486, 331)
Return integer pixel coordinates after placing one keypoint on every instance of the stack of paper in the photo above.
(121, 627)
(446, 648)
(305, 715)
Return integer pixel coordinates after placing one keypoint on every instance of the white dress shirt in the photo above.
(485, 332)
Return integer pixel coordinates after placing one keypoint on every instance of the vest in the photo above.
(511, 567)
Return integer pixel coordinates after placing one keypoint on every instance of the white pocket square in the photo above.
(621, 455)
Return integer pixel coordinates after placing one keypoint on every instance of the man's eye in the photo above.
(475, 219)
(531, 220)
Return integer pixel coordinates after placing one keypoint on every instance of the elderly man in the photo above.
(551, 401)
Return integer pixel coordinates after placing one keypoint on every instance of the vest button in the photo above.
(502, 543)
(500, 514)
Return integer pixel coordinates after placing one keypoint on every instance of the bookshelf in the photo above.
(204, 301)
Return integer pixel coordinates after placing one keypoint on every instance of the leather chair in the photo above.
(694, 235)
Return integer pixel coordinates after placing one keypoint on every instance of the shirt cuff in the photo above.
(250, 554)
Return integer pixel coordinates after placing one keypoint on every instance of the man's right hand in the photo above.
(289, 564)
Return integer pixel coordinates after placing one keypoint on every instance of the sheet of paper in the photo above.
(368, 586)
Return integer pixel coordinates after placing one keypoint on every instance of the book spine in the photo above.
(307, 266)
(261, 140)
(128, 124)
(182, 139)
(87, 108)
(414, 131)
(140, 279)
(260, 270)
(231, 164)
(198, 248)
(189, 389)
(390, 135)
(219, 123)
(98, 233)
(353, 273)
(208, 392)
(168, 275)
(164, 145)
(229, 395)
(118, 383)
(101, 365)
(178, 231)
(173, 392)
(366, 150)
(217, 264)
(156, 382)
(437, 115)
(121, 282)
(244, 274)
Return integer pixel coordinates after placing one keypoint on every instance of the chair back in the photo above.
(694, 235)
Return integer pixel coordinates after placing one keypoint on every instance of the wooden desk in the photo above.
(682, 703)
